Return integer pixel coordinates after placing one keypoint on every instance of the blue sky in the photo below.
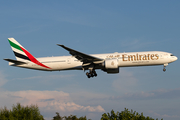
(92, 27)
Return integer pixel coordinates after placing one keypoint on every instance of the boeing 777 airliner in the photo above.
(109, 63)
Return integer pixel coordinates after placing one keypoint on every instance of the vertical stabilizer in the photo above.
(22, 54)
(19, 50)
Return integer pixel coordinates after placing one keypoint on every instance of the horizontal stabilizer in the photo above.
(15, 61)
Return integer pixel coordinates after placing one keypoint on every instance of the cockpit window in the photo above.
(172, 55)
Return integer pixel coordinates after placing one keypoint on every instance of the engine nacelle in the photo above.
(111, 64)
(112, 71)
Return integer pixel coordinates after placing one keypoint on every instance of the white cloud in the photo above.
(47, 100)
(71, 106)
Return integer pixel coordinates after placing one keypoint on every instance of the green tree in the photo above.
(20, 112)
(83, 118)
(71, 117)
(57, 117)
(125, 115)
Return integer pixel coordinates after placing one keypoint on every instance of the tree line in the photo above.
(32, 112)
(125, 115)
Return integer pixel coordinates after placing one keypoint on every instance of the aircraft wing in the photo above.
(81, 56)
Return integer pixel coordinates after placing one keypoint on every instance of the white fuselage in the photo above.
(124, 60)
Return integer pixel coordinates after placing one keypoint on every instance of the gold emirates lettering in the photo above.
(138, 57)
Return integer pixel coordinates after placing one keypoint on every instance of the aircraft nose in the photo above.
(176, 58)
(173, 58)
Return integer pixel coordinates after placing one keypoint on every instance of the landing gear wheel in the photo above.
(94, 73)
(91, 74)
(88, 75)
(164, 69)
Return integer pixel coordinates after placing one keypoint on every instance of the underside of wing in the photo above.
(81, 56)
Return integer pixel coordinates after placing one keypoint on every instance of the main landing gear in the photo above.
(164, 69)
(91, 73)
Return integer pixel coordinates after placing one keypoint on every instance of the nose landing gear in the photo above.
(91, 73)
(164, 69)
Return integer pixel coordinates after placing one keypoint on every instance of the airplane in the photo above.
(109, 63)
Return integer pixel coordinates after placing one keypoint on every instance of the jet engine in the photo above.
(111, 66)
